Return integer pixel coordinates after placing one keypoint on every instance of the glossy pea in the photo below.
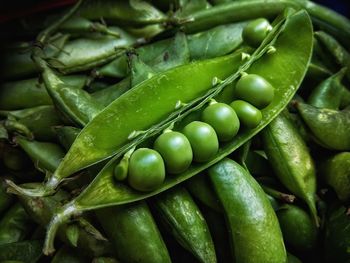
(223, 119)
(255, 31)
(146, 170)
(255, 90)
(248, 115)
(175, 150)
(203, 139)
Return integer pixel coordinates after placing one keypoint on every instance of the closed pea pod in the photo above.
(330, 128)
(134, 233)
(336, 173)
(291, 160)
(252, 222)
(29, 93)
(299, 231)
(68, 255)
(185, 221)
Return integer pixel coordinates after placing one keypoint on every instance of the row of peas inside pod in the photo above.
(107, 87)
(173, 151)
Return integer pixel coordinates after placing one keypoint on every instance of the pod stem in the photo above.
(61, 217)
(312, 207)
(43, 190)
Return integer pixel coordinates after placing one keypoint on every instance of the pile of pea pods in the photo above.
(176, 131)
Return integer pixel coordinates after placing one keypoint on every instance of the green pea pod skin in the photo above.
(284, 69)
(69, 255)
(25, 251)
(101, 50)
(41, 209)
(139, 71)
(29, 93)
(339, 53)
(253, 224)
(336, 173)
(291, 160)
(135, 13)
(44, 155)
(5, 199)
(200, 188)
(330, 128)
(73, 103)
(39, 120)
(15, 225)
(329, 93)
(18, 63)
(111, 93)
(215, 42)
(66, 135)
(337, 236)
(185, 221)
(134, 233)
(220, 234)
(299, 231)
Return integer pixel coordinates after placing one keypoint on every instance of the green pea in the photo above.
(248, 115)
(146, 170)
(176, 151)
(255, 31)
(203, 139)
(255, 90)
(223, 119)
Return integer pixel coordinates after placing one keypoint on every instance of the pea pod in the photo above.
(134, 233)
(45, 155)
(297, 227)
(29, 93)
(39, 120)
(330, 128)
(253, 225)
(339, 53)
(200, 188)
(18, 63)
(336, 172)
(66, 135)
(76, 104)
(111, 93)
(73, 58)
(294, 45)
(330, 93)
(181, 215)
(15, 225)
(291, 160)
(135, 13)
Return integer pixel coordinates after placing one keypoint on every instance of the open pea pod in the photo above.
(284, 68)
